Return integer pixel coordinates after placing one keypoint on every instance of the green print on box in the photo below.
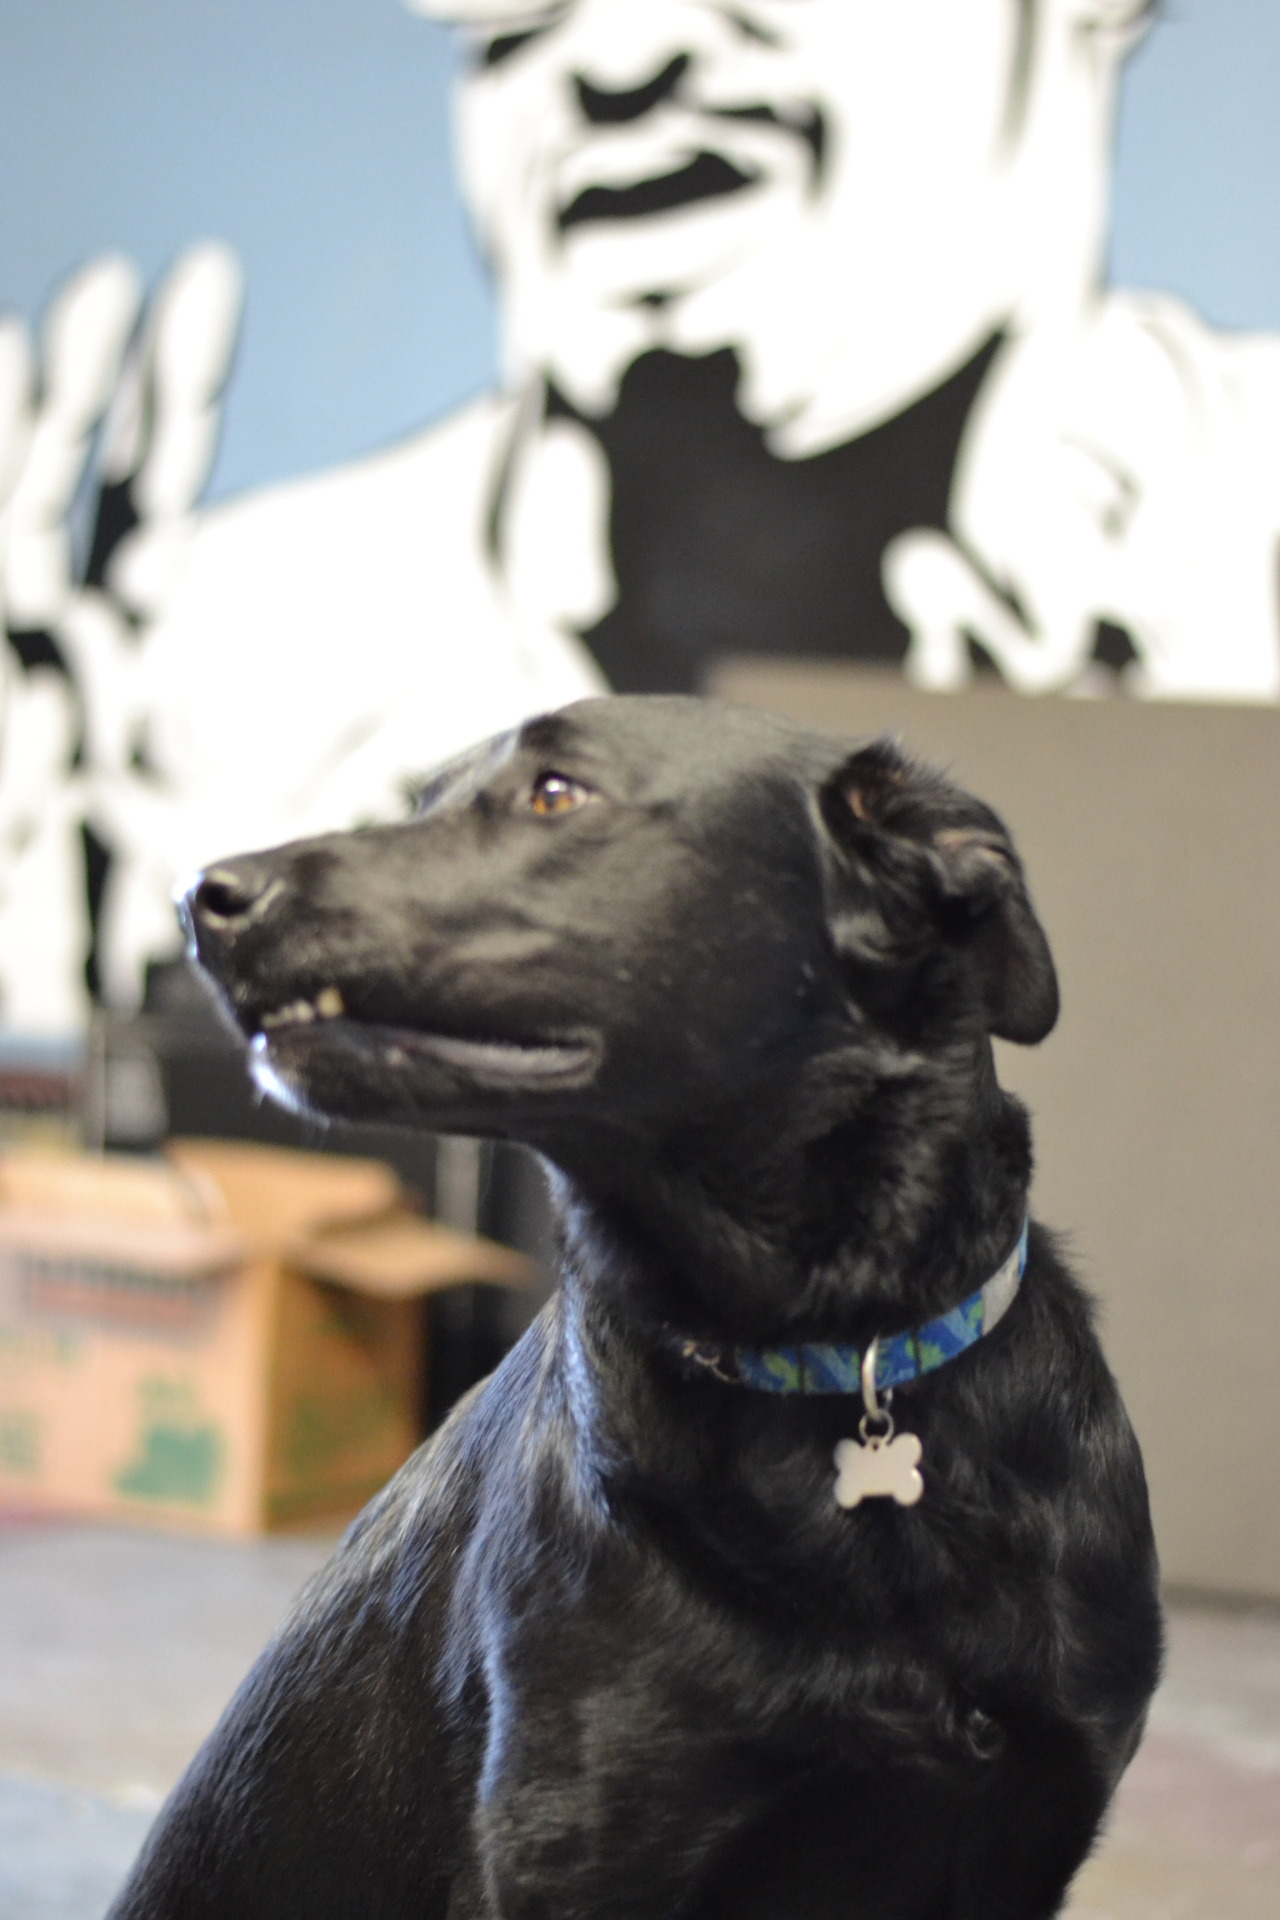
(322, 1428)
(38, 1346)
(179, 1455)
(19, 1442)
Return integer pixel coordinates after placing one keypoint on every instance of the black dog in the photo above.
(609, 1647)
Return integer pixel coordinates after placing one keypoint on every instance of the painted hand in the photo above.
(125, 418)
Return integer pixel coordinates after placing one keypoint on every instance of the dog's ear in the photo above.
(981, 874)
(927, 866)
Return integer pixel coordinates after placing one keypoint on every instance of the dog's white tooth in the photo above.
(291, 1014)
(329, 1004)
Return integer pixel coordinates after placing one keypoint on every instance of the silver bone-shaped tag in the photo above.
(876, 1466)
(879, 1469)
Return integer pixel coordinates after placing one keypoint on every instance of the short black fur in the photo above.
(606, 1648)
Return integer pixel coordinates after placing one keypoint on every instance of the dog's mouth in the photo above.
(297, 1044)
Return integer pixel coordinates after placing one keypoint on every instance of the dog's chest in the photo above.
(678, 1744)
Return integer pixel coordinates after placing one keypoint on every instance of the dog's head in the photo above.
(628, 913)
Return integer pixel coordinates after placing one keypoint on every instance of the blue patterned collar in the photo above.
(824, 1367)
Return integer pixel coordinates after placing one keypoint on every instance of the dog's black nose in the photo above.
(228, 898)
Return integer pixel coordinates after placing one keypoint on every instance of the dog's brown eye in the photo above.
(557, 793)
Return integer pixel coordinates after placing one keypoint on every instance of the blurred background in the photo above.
(1037, 534)
(318, 141)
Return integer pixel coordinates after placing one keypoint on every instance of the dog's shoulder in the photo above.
(368, 1681)
(431, 1508)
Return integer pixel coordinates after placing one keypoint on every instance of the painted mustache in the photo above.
(705, 175)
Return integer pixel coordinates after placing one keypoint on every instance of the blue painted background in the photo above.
(314, 136)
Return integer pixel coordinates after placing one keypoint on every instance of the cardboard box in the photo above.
(41, 1093)
(228, 1338)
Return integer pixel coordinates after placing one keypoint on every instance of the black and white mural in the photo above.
(806, 350)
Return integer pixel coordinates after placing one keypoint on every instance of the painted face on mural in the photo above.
(839, 188)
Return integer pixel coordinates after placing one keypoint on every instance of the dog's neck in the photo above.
(814, 1220)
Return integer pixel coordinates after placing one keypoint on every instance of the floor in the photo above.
(118, 1649)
